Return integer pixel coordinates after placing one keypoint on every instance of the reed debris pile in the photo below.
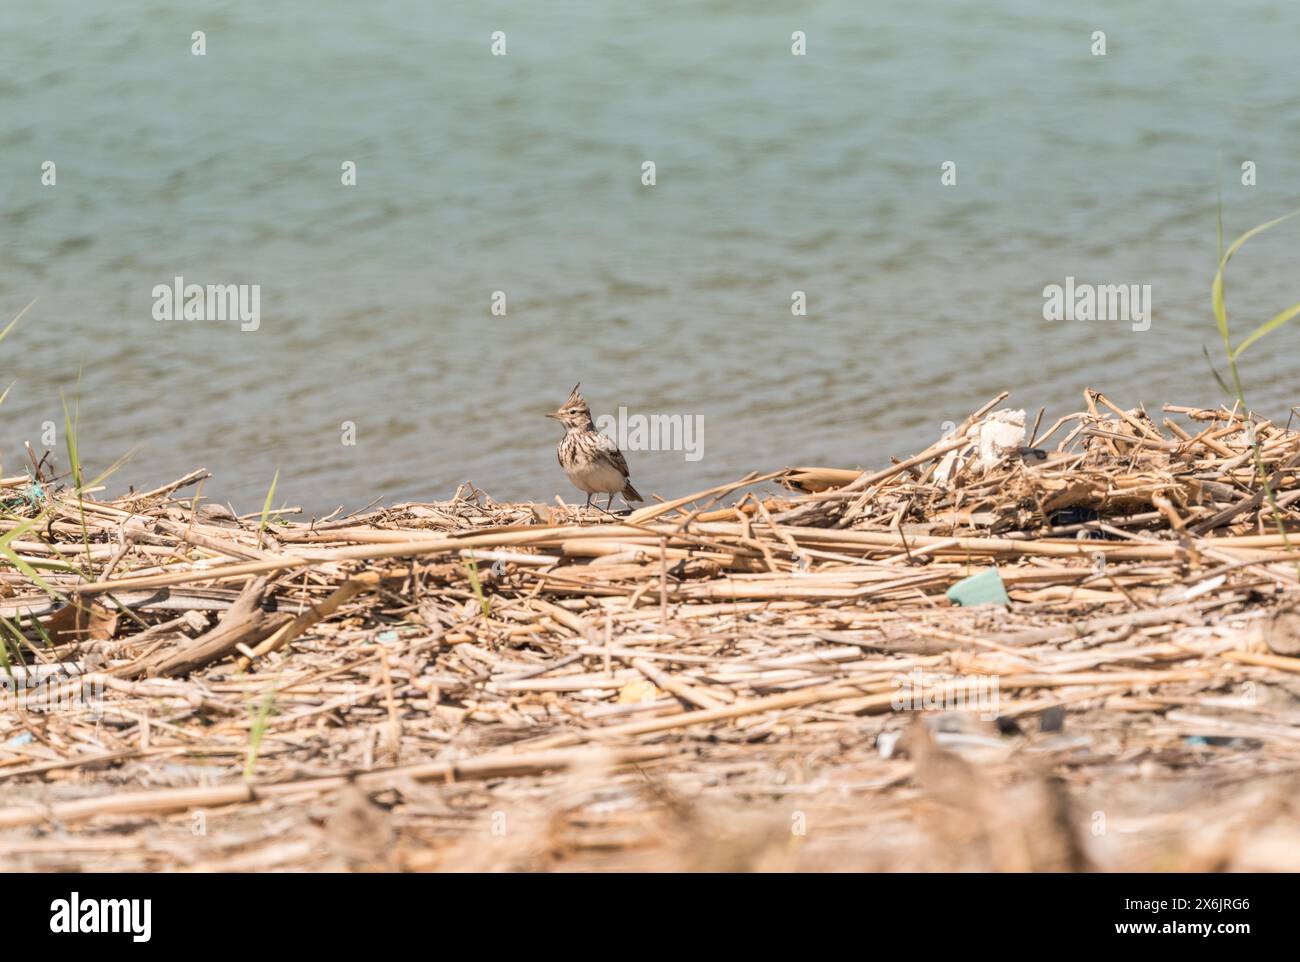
(788, 671)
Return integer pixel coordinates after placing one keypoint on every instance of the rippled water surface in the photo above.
(521, 174)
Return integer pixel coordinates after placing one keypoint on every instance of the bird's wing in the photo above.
(609, 447)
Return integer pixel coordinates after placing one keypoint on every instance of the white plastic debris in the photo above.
(885, 743)
(1204, 587)
(999, 434)
(991, 438)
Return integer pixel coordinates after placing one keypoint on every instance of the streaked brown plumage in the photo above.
(592, 461)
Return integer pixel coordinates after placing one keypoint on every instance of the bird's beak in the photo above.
(554, 415)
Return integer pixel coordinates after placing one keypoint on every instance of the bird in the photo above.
(591, 460)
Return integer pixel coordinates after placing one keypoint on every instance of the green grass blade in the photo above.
(1218, 251)
(15, 320)
(1267, 225)
(4, 652)
(11, 556)
(111, 468)
(1272, 324)
(471, 570)
(70, 442)
(5, 393)
(257, 730)
(266, 505)
(1223, 385)
(1216, 288)
(35, 625)
(1221, 317)
(1220, 309)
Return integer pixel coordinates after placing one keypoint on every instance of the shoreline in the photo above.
(953, 662)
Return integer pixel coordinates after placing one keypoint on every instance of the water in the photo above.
(522, 174)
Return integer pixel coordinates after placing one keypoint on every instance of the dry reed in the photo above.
(716, 681)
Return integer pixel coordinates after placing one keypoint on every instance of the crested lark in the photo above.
(592, 461)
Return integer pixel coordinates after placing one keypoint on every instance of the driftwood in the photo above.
(245, 624)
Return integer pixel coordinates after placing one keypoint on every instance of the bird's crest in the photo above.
(575, 402)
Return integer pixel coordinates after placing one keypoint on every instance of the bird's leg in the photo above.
(586, 507)
(609, 504)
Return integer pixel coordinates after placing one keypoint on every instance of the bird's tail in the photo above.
(629, 493)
